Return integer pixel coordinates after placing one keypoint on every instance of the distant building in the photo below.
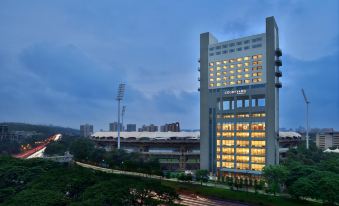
(288, 140)
(175, 151)
(3, 132)
(173, 127)
(86, 130)
(113, 127)
(325, 140)
(131, 128)
(148, 128)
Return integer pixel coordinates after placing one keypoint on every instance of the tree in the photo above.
(303, 187)
(81, 149)
(275, 176)
(201, 175)
(55, 148)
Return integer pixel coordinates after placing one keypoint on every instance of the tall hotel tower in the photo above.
(239, 102)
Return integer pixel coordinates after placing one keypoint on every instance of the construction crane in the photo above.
(307, 118)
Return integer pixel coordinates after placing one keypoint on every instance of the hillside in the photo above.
(43, 129)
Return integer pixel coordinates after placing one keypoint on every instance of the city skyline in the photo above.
(67, 73)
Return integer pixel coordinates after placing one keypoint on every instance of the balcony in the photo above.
(199, 60)
(199, 89)
(278, 63)
(198, 69)
(278, 85)
(199, 79)
(278, 74)
(278, 52)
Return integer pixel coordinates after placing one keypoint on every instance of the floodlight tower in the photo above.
(307, 118)
(120, 95)
(122, 117)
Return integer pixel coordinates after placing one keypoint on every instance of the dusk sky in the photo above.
(61, 61)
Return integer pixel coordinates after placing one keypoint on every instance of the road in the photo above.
(38, 151)
(188, 200)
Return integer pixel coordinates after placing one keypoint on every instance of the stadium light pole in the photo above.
(120, 95)
(122, 117)
(307, 117)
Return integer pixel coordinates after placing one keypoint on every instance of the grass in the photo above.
(237, 196)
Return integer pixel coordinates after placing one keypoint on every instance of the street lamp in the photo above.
(119, 97)
(307, 118)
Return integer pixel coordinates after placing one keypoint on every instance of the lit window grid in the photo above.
(253, 77)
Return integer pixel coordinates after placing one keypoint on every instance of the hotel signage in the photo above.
(240, 91)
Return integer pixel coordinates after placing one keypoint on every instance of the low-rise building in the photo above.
(325, 140)
(175, 150)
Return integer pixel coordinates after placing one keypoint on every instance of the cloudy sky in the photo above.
(61, 61)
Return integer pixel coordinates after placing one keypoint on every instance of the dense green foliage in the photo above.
(307, 174)
(40, 182)
(9, 147)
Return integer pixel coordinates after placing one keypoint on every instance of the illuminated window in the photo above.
(218, 142)
(259, 152)
(232, 66)
(243, 158)
(227, 116)
(232, 77)
(218, 164)
(259, 62)
(218, 68)
(255, 57)
(228, 134)
(243, 134)
(242, 143)
(228, 126)
(243, 166)
(257, 167)
(211, 80)
(232, 83)
(218, 149)
(211, 69)
(246, 58)
(219, 127)
(211, 85)
(258, 126)
(218, 79)
(228, 142)
(217, 63)
(247, 81)
(259, 56)
(224, 67)
(211, 63)
(218, 73)
(255, 62)
(218, 84)
(228, 150)
(232, 60)
(246, 70)
(228, 157)
(255, 80)
(239, 65)
(244, 115)
(218, 157)
(232, 72)
(225, 83)
(258, 134)
(258, 115)
(239, 59)
(228, 164)
(211, 74)
(247, 64)
(224, 78)
(239, 81)
(258, 143)
(239, 76)
(243, 126)
(247, 75)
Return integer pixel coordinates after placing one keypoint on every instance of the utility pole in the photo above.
(119, 98)
(307, 117)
